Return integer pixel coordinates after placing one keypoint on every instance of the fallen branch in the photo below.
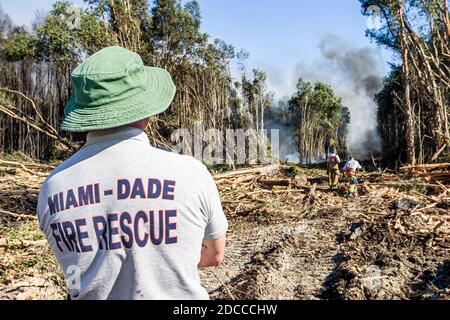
(276, 191)
(277, 182)
(23, 243)
(398, 185)
(258, 170)
(424, 167)
(311, 196)
(223, 285)
(17, 215)
(438, 153)
(23, 167)
(49, 130)
(19, 192)
(425, 196)
(446, 190)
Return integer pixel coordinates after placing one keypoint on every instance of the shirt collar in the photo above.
(116, 134)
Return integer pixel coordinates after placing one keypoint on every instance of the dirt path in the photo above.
(289, 260)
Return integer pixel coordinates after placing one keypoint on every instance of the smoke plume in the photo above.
(288, 150)
(356, 74)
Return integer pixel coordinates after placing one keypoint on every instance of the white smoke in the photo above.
(356, 74)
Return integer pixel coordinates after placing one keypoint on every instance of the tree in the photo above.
(19, 45)
(166, 33)
(417, 31)
(319, 118)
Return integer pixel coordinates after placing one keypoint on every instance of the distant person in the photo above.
(126, 220)
(350, 171)
(333, 162)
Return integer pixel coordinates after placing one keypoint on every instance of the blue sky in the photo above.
(279, 35)
(282, 35)
(284, 29)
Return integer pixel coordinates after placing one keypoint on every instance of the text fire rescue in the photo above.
(115, 230)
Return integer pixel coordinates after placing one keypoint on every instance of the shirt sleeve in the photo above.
(41, 208)
(217, 224)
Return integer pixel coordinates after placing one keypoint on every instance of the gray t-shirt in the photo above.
(126, 220)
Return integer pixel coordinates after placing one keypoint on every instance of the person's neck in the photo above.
(142, 124)
(119, 133)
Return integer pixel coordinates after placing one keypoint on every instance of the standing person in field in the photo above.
(333, 162)
(126, 220)
(350, 170)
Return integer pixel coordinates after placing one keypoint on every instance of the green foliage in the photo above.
(345, 115)
(167, 34)
(56, 41)
(327, 105)
(414, 102)
(412, 185)
(21, 265)
(92, 36)
(383, 36)
(59, 42)
(275, 205)
(319, 118)
(176, 30)
(19, 45)
(292, 170)
(26, 231)
(219, 53)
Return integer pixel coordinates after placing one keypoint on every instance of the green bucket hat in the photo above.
(113, 88)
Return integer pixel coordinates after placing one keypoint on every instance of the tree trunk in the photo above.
(409, 111)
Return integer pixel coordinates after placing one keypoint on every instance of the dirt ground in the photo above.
(290, 237)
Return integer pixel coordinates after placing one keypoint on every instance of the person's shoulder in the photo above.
(187, 162)
(64, 166)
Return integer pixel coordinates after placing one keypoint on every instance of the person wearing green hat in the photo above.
(123, 219)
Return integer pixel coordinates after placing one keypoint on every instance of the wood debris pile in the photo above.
(19, 187)
(317, 244)
(290, 236)
(28, 269)
(431, 173)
